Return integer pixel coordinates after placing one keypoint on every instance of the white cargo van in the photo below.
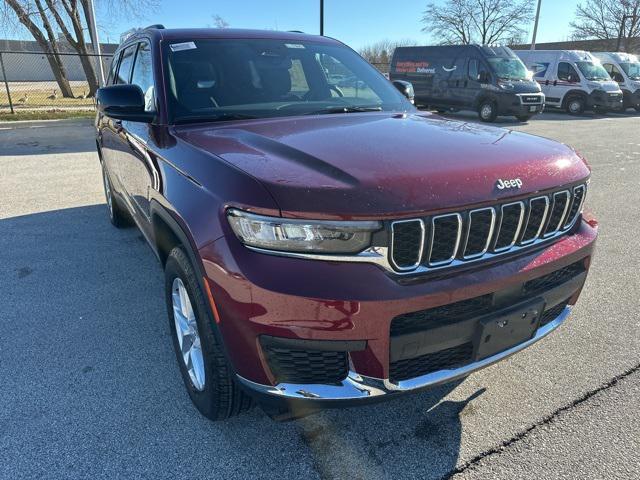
(572, 80)
(623, 68)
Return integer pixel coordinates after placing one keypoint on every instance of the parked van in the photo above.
(573, 80)
(623, 68)
(489, 80)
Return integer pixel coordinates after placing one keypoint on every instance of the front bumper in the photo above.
(605, 100)
(359, 388)
(521, 104)
(260, 295)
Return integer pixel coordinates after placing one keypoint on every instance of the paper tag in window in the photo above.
(293, 45)
(177, 47)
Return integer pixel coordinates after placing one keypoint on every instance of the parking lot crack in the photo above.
(552, 417)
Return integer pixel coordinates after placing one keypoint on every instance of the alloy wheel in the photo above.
(187, 334)
(486, 111)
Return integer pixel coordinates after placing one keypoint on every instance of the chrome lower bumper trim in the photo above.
(357, 386)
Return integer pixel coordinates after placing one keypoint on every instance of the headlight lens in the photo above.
(312, 236)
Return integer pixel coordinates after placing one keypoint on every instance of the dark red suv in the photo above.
(324, 242)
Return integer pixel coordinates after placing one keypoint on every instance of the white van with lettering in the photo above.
(573, 80)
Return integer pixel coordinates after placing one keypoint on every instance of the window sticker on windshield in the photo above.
(293, 45)
(177, 47)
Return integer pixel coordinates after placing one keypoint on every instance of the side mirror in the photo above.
(123, 102)
(483, 77)
(618, 77)
(571, 78)
(406, 89)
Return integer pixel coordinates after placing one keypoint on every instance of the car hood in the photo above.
(374, 165)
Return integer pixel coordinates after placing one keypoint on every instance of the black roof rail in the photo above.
(156, 26)
(295, 31)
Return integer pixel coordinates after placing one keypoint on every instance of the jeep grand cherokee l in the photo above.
(326, 244)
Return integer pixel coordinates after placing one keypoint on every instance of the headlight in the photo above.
(288, 235)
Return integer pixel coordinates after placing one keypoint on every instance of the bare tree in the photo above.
(35, 20)
(220, 22)
(478, 21)
(382, 51)
(71, 19)
(605, 20)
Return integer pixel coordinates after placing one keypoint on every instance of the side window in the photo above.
(473, 69)
(347, 82)
(114, 66)
(124, 71)
(567, 73)
(143, 75)
(613, 72)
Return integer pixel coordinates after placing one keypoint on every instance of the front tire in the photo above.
(205, 371)
(575, 106)
(487, 111)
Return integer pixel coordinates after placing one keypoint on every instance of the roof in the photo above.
(171, 34)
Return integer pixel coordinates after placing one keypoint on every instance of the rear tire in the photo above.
(206, 372)
(488, 111)
(637, 109)
(575, 105)
(523, 118)
(117, 214)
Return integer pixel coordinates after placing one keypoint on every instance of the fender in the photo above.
(181, 234)
(573, 92)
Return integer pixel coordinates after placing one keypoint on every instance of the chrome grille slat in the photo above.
(396, 261)
(514, 237)
(535, 224)
(578, 194)
(433, 240)
(557, 213)
(487, 237)
(451, 239)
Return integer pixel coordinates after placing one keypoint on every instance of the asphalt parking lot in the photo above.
(90, 387)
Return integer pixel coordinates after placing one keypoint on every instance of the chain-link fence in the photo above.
(382, 66)
(32, 81)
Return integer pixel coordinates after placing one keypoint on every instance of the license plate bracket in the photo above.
(533, 109)
(495, 334)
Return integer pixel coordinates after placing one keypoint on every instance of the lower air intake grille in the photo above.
(306, 366)
(443, 315)
(554, 279)
(432, 362)
(550, 314)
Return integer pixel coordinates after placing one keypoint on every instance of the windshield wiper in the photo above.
(345, 109)
(213, 118)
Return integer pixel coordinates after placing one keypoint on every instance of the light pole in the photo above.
(93, 31)
(622, 25)
(535, 26)
(321, 17)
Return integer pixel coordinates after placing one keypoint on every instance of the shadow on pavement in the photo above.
(46, 137)
(90, 385)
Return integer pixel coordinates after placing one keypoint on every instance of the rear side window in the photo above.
(567, 73)
(143, 75)
(124, 71)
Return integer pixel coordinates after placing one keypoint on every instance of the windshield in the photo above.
(632, 70)
(593, 71)
(509, 68)
(227, 79)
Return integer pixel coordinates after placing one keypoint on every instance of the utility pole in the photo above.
(623, 24)
(321, 17)
(535, 26)
(93, 31)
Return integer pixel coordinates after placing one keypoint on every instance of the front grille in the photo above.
(442, 315)
(554, 279)
(432, 362)
(533, 99)
(550, 314)
(463, 236)
(306, 366)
